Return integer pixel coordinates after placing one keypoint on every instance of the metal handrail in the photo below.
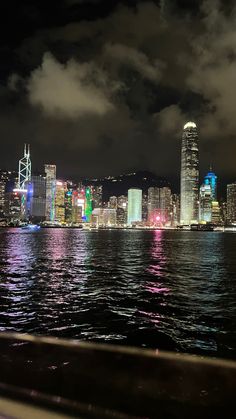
(99, 381)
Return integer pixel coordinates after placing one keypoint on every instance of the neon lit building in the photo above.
(134, 206)
(159, 205)
(189, 175)
(231, 203)
(211, 179)
(50, 171)
(88, 204)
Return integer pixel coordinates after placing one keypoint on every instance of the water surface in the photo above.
(158, 289)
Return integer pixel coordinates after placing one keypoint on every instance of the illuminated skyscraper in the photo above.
(189, 175)
(159, 205)
(96, 196)
(38, 198)
(112, 202)
(205, 202)
(24, 174)
(175, 209)
(88, 204)
(134, 206)
(211, 179)
(60, 202)
(50, 170)
(231, 203)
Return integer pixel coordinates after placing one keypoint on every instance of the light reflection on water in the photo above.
(172, 290)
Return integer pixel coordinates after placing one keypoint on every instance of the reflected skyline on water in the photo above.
(157, 289)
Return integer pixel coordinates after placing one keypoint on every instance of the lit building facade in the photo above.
(96, 196)
(231, 203)
(159, 205)
(50, 171)
(121, 212)
(211, 179)
(205, 202)
(134, 206)
(189, 175)
(60, 202)
(8, 182)
(104, 217)
(37, 202)
(175, 209)
(88, 204)
(112, 202)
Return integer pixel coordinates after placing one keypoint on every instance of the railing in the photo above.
(105, 381)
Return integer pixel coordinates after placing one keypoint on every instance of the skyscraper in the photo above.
(50, 171)
(24, 174)
(60, 201)
(189, 175)
(134, 205)
(159, 205)
(38, 198)
(205, 202)
(88, 204)
(231, 203)
(211, 179)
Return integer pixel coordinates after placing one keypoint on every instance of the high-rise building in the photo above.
(24, 174)
(13, 206)
(189, 175)
(211, 179)
(88, 204)
(8, 182)
(50, 171)
(153, 204)
(24, 178)
(37, 203)
(68, 205)
(205, 202)
(165, 205)
(60, 202)
(231, 203)
(215, 213)
(159, 205)
(96, 196)
(112, 202)
(121, 212)
(104, 217)
(175, 209)
(134, 206)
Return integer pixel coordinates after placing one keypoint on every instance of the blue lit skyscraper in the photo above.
(211, 179)
(134, 205)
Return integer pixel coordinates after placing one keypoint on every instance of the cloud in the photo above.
(69, 90)
(213, 70)
(169, 121)
(137, 60)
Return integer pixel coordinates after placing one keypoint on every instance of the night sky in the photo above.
(104, 87)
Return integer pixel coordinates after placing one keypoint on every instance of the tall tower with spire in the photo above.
(189, 175)
(24, 173)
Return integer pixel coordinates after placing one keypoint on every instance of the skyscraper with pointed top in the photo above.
(24, 173)
(189, 175)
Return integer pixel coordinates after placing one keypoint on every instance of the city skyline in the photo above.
(47, 198)
(118, 104)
